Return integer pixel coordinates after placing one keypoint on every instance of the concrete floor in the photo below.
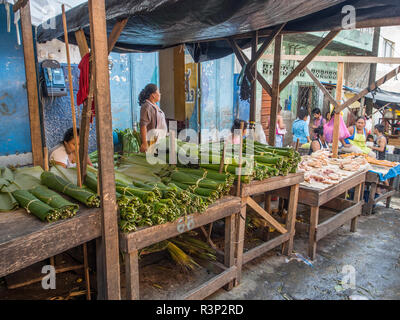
(371, 257)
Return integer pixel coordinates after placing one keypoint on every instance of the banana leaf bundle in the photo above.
(85, 196)
(145, 195)
(66, 208)
(33, 205)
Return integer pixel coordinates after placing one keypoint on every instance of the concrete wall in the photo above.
(392, 34)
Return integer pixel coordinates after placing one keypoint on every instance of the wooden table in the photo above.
(330, 198)
(226, 208)
(25, 240)
(290, 184)
(374, 182)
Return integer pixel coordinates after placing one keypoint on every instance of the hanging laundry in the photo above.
(84, 77)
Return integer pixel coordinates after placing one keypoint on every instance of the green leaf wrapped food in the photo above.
(33, 205)
(85, 196)
(54, 200)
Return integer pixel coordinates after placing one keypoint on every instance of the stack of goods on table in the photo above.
(372, 161)
(321, 170)
(35, 191)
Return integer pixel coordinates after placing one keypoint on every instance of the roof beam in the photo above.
(327, 40)
(370, 88)
(337, 59)
(115, 33)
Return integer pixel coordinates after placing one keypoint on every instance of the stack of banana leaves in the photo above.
(259, 161)
(22, 187)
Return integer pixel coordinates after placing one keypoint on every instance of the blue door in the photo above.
(15, 136)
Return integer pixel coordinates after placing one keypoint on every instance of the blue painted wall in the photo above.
(14, 115)
(217, 106)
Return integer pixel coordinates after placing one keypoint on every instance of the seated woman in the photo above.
(357, 141)
(300, 128)
(64, 153)
(234, 138)
(380, 142)
(319, 142)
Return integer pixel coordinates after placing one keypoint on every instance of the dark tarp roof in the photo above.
(158, 24)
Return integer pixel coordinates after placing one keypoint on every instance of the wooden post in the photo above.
(339, 90)
(253, 98)
(238, 191)
(109, 242)
(71, 93)
(31, 84)
(275, 90)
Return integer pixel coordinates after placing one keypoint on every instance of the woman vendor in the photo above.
(357, 141)
(63, 154)
(151, 116)
(234, 138)
(300, 128)
(380, 142)
(319, 142)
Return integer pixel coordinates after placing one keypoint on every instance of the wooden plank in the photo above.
(322, 87)
(338, 204)
(31, 85)
(106, 151)
(338, 220)
(357, 197)
(339, 94)
(328, 39)
(71, 93)
(20, 4)
(265, 247)
(275, 98)
(291, 219)
(370, 88)
(241, 226)
(148, 236)
(115, 33)
(132, 275)
(253, 71)
(179, 83)
(229, 248)
(312, 241)
(82, 43)
(24, 240)
(267, 42)
(337, 59)
(273, 183)
(270, 220)
(212, 285)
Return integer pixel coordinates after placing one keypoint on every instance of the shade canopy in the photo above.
(203, 25)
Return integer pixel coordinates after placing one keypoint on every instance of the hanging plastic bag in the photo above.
(328, 130)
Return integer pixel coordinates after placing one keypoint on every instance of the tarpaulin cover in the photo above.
(157, 24)
(391, 173)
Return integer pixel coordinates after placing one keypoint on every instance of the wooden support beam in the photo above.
(267, 42)
(322, 87)
(109, 241)
(20, 4)
(31, 85)
(370, 88)
(327, 40)
(271, 221)
(86, 111)
(336, 122)
(253, 71)
(337, 59)
(115, 33)
(275, 90)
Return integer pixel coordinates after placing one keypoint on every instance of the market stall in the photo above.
(327, 182)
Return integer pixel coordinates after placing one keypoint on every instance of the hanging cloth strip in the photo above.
(83, 93)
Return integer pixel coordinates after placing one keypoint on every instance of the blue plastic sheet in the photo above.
(392, 173)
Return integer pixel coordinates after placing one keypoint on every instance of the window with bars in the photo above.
(388, 48)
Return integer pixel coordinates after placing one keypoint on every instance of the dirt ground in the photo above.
(361, 265)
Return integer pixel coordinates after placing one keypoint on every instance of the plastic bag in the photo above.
(328, 130)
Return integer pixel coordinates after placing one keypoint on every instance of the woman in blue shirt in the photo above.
(300, 128)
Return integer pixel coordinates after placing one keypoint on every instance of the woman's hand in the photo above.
(144, 147)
